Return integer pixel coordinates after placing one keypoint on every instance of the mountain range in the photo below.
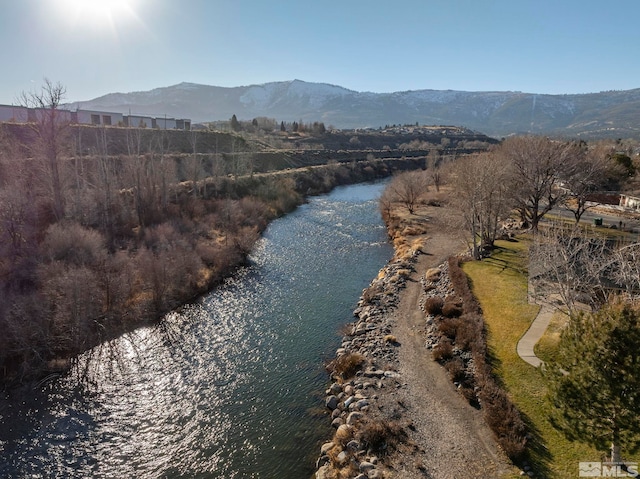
(611, 114)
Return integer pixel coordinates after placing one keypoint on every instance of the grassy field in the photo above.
(500, 284)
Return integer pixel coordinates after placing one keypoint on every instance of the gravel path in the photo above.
(450, 437)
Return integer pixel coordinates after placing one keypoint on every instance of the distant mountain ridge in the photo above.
(591, 115)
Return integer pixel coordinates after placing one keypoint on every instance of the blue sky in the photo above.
(94, 47)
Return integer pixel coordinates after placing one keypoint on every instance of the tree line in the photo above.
(529, 175)
(270, 125)
(92, 245)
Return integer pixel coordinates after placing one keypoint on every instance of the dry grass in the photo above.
(418, 244)
(346, 366)
(390, 338)
(343, 435)
(414, 229)
(380, 436)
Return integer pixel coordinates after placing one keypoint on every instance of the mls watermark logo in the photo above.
(608, 469)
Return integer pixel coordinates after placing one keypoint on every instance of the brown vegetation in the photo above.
(95, 241)
(346, 366)
(433, 305)
(468, 334)
(380, 436)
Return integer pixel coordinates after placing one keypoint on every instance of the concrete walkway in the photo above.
(538, 325)
(533, 335)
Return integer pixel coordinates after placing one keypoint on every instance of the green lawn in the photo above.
(547, 347)
(500, 284)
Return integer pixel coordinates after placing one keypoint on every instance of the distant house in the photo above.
(88, 117)
(631, 202)
(164, 123)
(19, 114)
(183, 124)
(138, 121)
(47, 114)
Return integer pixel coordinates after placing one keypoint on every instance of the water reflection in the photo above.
(227, 387)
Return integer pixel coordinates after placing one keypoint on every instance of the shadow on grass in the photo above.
(505, 259)
(537, 456)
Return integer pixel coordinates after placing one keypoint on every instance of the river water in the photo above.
(229, 387)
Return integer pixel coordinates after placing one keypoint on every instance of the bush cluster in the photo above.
(467, 332)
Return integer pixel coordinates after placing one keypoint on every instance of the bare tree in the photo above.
(107, 185)
(407, 187)
(436, 173)
(51, 128)
(579, 266)
(385, 204)
(194, 168)
(591, 172)
(625, 267)
(568, 263)
(479, 182)
(536, 167)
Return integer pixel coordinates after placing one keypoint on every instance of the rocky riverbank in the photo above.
(374, 349)
(395, 411)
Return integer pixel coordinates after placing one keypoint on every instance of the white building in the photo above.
(138, 121)
(18, 114)
(631, 202)
(89, 117)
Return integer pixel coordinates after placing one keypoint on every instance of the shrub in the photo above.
(433, 305)
(456, 369)
(346, 366)
(503, 419)
(379, 436)
(451, 309)
(443, 351)
(449, 327)
(461, 285)
(469, 332)
(74, 244)
(501, 415)
(468, 392)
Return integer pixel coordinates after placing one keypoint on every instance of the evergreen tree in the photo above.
(594, 382)
(282, 127)
(235, 124)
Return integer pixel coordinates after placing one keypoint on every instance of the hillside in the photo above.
(612, 114)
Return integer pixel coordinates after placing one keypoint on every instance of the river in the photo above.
(231, 386)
